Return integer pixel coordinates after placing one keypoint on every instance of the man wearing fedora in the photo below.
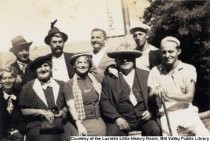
(61, 68)
(150, 55)
(124, 99)
(20, 48)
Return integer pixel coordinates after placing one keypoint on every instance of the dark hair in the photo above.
(99, 29)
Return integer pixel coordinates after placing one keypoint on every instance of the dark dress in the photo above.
(10, 121)
(29, 99)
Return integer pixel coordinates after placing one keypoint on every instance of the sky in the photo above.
(31, 18)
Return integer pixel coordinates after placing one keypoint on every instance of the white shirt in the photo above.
(143, 61)
(98, 56)
(59, 68)
(130, 79)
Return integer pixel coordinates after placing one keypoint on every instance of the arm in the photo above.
(72, 109)
(38, 112)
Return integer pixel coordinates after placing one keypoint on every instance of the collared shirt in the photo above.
(130, 80)
(98, 56)
(175, 82)
(22, 66)
(143, 61)
(59, 68)
(6, 96)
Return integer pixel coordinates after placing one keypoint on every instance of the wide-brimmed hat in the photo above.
(39, 61)
(76, 55)
(18, 43)
(52, 32)
(139, 27)
(124, 49)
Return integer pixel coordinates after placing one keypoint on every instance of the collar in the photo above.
(179, 67)
(7, 96)
(21, 63)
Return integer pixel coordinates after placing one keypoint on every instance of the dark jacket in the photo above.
(111, 90)
(154, 58)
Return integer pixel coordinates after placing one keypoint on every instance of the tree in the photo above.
(188, 21)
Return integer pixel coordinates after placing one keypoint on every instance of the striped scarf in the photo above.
(78, 94)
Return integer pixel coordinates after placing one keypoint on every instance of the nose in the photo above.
(167, 54)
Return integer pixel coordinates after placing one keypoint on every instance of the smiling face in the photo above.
(8, 80)
(43, 72)
(170, 53)
(22, 55)
(82, 65)
(97, 40)
(56, 44)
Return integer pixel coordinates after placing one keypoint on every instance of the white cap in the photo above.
(170, 38)
(139, 26)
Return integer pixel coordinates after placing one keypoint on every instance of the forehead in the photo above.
(57, 38)
(6, 73)
(97, 33)
(168, 45)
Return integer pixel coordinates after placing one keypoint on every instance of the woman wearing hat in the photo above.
(42, 101)
(82, 94)
(10, 116)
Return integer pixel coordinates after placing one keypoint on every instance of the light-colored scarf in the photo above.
(78, 94)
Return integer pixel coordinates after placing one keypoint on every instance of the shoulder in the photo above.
(68, 54)
(187, 66)
(138, 70)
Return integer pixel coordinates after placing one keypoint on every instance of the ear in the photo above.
(179, 51)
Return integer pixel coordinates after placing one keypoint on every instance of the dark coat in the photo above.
(111, 90)
(154, 58)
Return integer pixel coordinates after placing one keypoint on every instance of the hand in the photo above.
(159, 91)
(122, 124)
(48, 115)
(81, 129)
(10, 106)
(146, 115)
(61, 113)
(113, 71)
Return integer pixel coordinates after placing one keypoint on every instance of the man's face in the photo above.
(56, 45)
(43, 72)
(82, 65)
(125, 64)
(170, 53)
(140, 38)
(97, 40)
(22, 55)
(7, 80)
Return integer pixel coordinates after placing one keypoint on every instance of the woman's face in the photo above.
(44, 72)
(82, 65)
(7, 80)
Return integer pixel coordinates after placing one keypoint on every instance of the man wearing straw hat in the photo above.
(174, 82)
(124, 99)
(150, 55)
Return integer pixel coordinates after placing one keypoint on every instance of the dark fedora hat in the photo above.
(18, 43)
(39, 61)
(52, 32)
(76, 55)
(124, 50)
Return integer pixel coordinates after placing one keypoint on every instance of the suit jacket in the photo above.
(25, 77)
(154, 58)
(111, 90)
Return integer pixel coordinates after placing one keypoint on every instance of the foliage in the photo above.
(188, 21)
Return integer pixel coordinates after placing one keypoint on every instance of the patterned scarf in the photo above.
(78, 94)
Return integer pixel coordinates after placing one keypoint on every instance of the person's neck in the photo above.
(126, 72)
(171, 68)
(45, 81)
(57, 55)
(143, 48)
(95, 51)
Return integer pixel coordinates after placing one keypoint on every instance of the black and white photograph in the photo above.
(75, 69)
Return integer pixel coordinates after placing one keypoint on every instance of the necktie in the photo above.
(133, 98)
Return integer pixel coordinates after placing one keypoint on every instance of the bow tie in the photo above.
(45, 86)
(9, 96)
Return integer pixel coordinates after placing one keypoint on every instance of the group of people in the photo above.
(140, 89)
